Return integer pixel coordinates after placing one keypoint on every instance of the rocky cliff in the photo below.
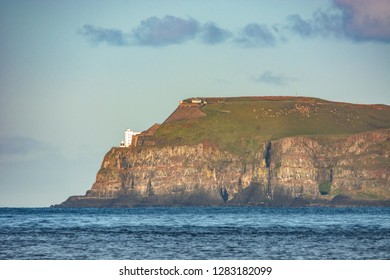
(297, 170)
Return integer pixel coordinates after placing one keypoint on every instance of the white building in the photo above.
(128, 137)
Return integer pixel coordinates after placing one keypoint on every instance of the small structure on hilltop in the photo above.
(193, 102)
(129, 138)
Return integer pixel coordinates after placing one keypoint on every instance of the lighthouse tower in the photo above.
(128, 137)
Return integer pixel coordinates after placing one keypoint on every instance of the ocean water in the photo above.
(195, 233)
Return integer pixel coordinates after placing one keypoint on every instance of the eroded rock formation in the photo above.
(292, 171)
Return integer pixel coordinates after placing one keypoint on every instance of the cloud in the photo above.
(156, 32)
(169, 30)
(273, 79)
(212, 34)
(365, 20)
(357, 20)
(97, 35)
(256, 35)
(300, 26)
(18, 145)
(321, 24)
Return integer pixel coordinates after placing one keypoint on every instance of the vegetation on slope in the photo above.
(241, 124)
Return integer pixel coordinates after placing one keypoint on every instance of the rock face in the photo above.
(291, 171)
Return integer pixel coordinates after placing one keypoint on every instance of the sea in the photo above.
(195, 233)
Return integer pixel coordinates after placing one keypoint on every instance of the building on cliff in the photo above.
(129, 136)
(193, 102)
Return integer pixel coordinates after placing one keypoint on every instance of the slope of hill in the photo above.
(240, 124)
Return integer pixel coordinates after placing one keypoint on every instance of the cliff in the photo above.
(264, 151)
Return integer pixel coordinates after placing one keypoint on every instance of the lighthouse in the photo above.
(128, 138)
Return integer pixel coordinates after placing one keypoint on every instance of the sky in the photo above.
(75, 74)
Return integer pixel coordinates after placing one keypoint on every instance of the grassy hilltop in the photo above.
(240, 124)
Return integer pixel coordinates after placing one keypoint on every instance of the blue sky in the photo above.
(75, 74)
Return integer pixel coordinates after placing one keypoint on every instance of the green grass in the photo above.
(243, 124)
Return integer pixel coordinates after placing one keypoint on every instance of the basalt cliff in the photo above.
(260, 151)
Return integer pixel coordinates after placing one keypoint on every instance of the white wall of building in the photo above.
(129, 136)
